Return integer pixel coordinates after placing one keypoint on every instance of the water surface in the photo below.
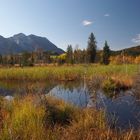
(122, 109)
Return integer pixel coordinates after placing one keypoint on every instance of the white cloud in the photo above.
(136, 39)
(107, 15)
(87, 23)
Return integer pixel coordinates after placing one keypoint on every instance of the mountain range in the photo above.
(20, 43)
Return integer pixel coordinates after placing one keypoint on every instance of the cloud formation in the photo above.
(87, 23)
(107, 15)
(136, 39)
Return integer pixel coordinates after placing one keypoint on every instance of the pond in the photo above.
(123, 109)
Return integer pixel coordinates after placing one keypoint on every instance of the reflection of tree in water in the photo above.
(97, 95)
(26, 87)
(136, 87)
(72, 85)
(73, 92)
(78, 87)
(93, 86)
(122, 108)
(136, 94)
(8, 84)
(8, 87)
(22, 87)
(39, 87)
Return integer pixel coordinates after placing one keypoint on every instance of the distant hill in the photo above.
(132, 51)
(20, 43)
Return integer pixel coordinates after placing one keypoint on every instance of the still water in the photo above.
(123, 108)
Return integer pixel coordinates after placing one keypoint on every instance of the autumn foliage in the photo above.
(120, 59)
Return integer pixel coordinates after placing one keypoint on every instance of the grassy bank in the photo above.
(113, 76)
(37, 118)
(73, 72)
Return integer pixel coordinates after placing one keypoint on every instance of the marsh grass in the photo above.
(23, 120)
(58, 112)
(116, 84)
(38, 117)
(52, 119)
(65, 73)
(28, 119)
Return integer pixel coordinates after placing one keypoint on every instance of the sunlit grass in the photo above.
(68, 73)
(23, 120)
(34, 118)
(37, 118)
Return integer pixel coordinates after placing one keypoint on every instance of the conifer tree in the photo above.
(91, 49)
(69, 56)
(106, 54)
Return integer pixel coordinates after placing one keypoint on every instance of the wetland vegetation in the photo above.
(83, 94)
(67, 108)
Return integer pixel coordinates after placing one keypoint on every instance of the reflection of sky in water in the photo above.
(76, 96)
(124, 110)
(124, 106)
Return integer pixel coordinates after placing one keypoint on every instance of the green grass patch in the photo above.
(65, 73)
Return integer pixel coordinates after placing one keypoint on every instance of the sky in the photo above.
(66, 22)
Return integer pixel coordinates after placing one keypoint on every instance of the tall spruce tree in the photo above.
(91, 48)
(106, 54)
(69, 56)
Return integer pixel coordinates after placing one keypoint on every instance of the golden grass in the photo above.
(29, 119)
(122, 75)
(34, 117)
(67, 73)
(23, 120)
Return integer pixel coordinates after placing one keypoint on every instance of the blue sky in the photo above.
(71, 21)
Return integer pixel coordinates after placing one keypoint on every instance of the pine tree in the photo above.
(106, 54)
(69, 56)
(91, 49)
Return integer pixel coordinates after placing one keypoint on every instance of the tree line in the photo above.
(72, 56)
(90, 54)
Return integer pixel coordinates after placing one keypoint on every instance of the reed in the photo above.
(37, 118)
(66, 73)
